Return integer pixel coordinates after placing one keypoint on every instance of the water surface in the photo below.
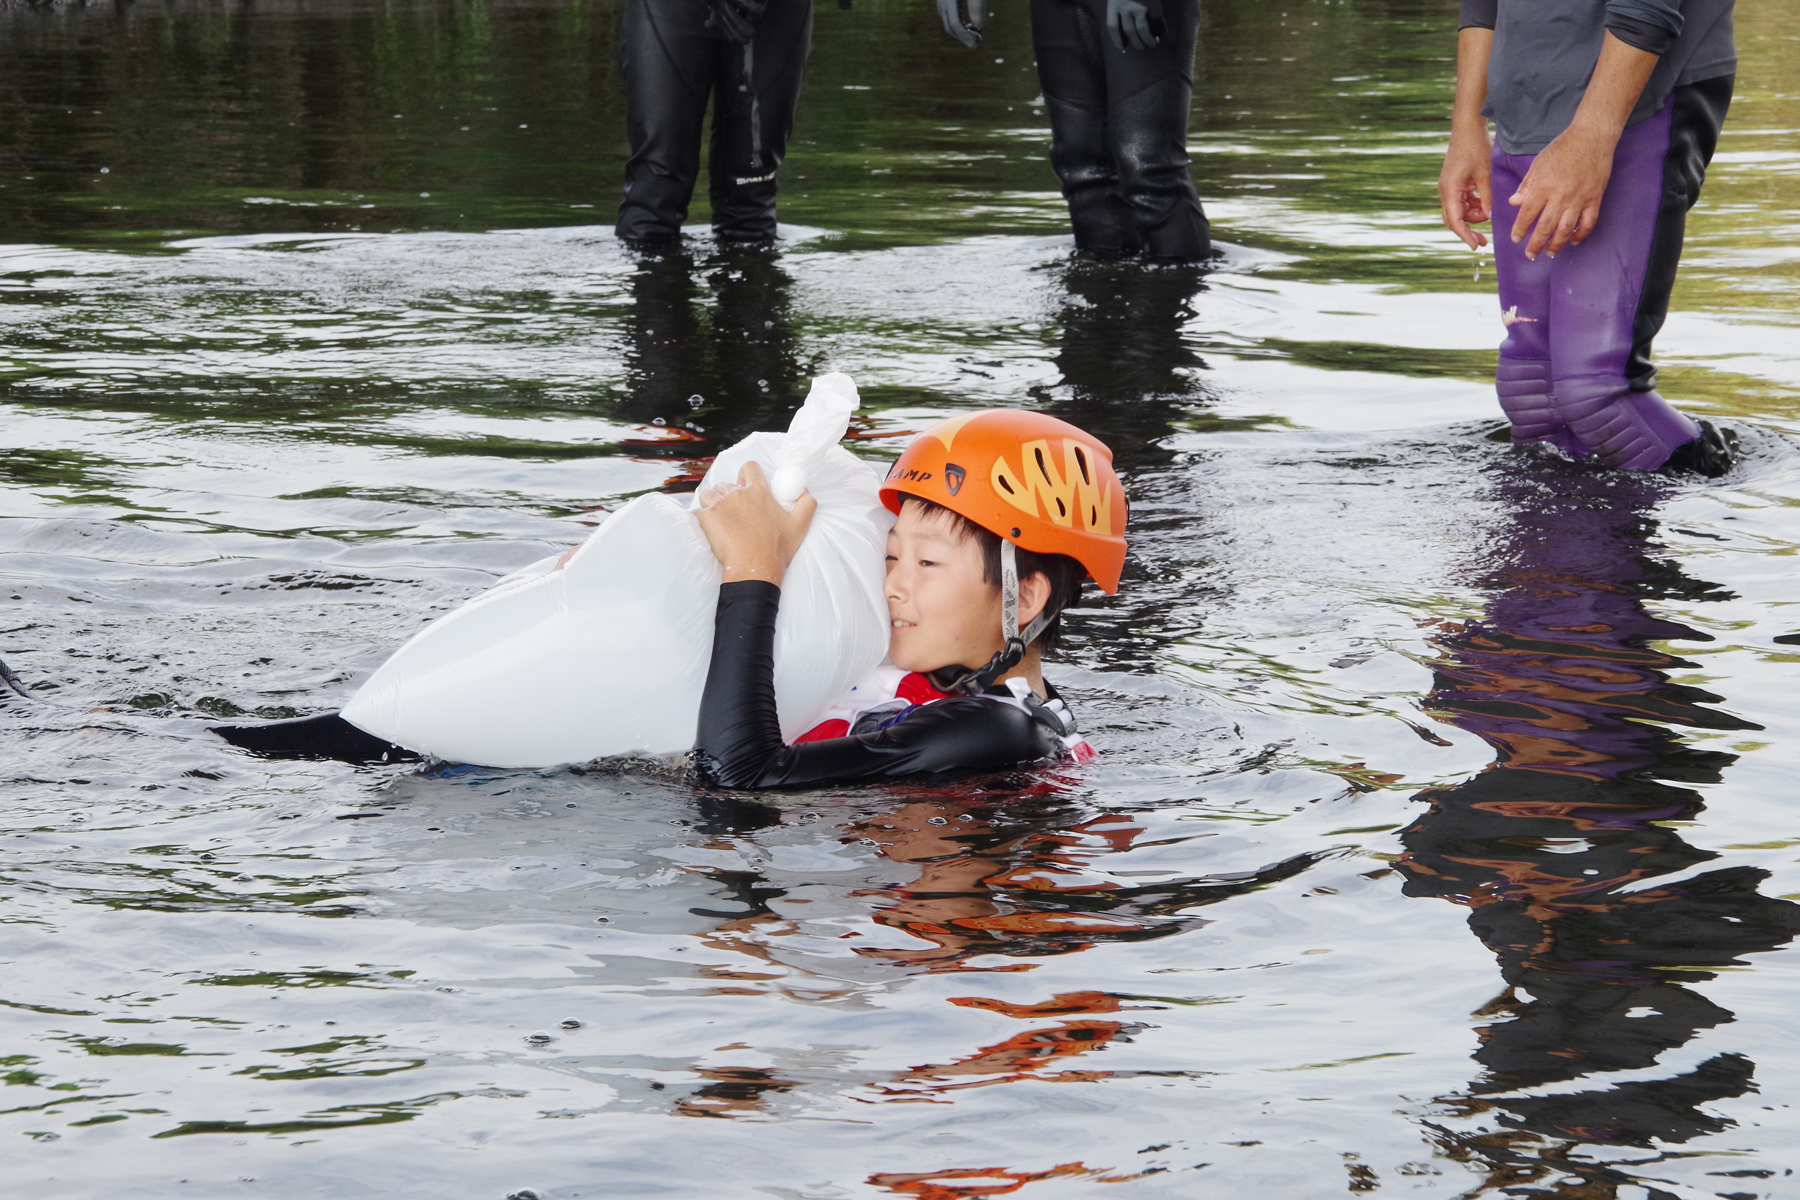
(1438, 840)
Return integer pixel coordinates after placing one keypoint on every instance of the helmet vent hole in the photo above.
(1081, 461)
(1093, 517)
(1043, 469)
(1002, 481)
(1062, 510)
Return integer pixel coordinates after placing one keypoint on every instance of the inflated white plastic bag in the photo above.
(609, 655)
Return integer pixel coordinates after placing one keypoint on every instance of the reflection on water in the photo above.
(1126, 361)
(1556, 848)
(990, 879)
(713, 348)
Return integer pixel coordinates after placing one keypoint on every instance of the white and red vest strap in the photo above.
(881, 688)
(893, 691)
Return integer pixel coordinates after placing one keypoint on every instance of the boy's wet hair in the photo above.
(1066, 576)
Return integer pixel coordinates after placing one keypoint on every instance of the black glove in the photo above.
(949, 11)
(736, 19)
(1133, 24)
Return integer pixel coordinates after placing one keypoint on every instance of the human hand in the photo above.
(1465, 183)
(968, 33)
(751, 535)
(1559, 200)
(1132, 25)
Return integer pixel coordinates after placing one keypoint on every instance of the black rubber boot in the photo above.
(1711, 454)
(1118, 130)
(675, 61)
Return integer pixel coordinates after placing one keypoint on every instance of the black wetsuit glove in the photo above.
(736, 19)
(967, 32)
(1134, 24)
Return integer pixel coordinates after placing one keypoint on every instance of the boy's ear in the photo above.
(1034, 593)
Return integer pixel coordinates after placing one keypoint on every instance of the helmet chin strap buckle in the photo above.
(974, 683)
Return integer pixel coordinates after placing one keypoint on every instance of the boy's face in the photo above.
(941, 611)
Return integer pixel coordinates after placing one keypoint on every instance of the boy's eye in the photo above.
(928, 562)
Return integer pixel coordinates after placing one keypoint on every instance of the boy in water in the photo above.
(1607, 113)
(1000, 516)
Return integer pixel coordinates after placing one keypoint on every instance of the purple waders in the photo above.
(1575, 368)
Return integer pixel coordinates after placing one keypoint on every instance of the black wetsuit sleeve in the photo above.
(740, 742)
(1479, 14)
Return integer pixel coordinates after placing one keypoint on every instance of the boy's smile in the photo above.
(942, 611)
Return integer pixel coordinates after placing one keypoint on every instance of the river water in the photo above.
(1436, 844)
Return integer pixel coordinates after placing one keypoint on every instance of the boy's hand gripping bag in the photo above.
(609, 655)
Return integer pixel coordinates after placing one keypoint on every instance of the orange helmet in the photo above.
(1036, 481)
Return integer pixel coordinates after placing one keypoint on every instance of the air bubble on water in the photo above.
(571, 1024)
(449, 989)
(658, 421)
(522, 1193)
(937, 821)
(696, 400)
(603, 920)
(539, 1037)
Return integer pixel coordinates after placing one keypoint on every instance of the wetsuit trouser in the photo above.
(675, 61)
(1118, 129)
(1575, 367)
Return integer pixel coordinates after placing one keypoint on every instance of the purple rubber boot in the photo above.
(1563, 368)
(1523, 379)
(1523, 383)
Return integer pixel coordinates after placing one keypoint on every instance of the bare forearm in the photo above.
(1618, 80)
(1473, 46)
(1464, 184)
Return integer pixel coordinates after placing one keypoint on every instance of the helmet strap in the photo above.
(1009, 601)
(973, 683)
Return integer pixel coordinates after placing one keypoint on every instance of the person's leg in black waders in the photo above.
(671, 57)
(753, 114)
(1118, 122)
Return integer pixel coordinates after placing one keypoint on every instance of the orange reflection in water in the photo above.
(966, 1182)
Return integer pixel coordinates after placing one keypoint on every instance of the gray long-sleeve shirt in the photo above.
(1545, 51)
